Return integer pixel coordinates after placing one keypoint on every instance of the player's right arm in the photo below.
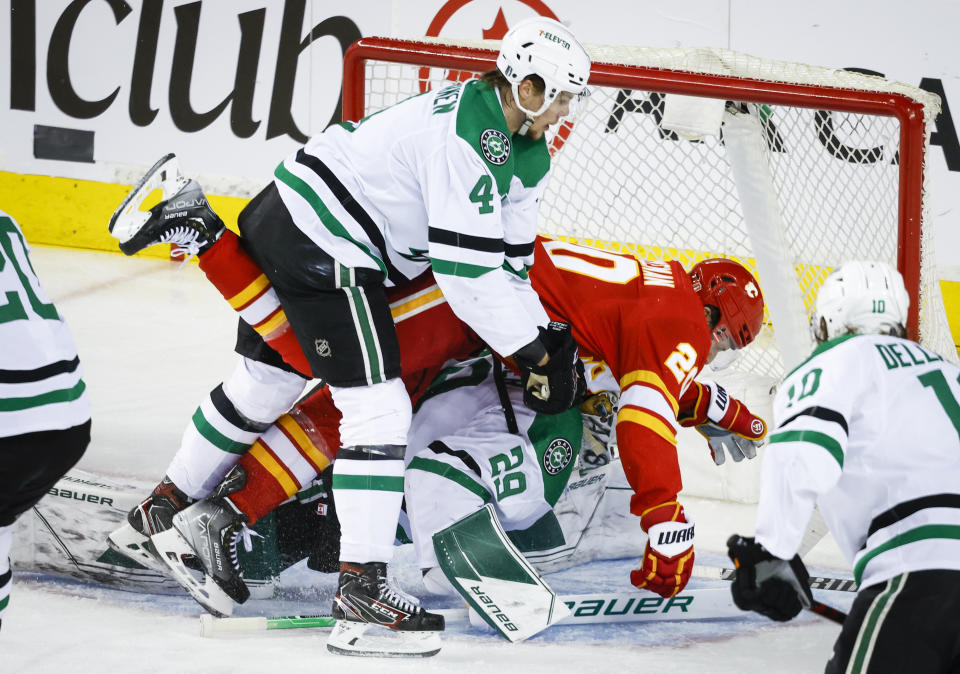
(665, 356)
(805, 457)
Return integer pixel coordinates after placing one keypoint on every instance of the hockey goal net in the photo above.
(687, 154)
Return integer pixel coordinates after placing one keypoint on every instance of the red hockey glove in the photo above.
(668, 559)
(725, 422)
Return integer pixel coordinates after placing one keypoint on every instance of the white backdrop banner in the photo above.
(98, 89)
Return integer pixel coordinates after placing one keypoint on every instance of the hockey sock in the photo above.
(368, 491)
(285, 459)
(228, 421)
(247, 289)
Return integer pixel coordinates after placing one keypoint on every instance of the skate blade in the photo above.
(133, 545)
(173, 549)
(374, 641)
(165, 175)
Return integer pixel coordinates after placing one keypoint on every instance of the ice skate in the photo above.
(153, 515)
(203, 553)
(378, 620)
(183, 217)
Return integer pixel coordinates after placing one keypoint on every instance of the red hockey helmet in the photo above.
(728, 286)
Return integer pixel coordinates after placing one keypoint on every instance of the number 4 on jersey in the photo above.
(482, 193)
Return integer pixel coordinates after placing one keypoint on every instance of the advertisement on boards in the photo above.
(96, 90)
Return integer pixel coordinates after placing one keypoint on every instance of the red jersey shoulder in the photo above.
(628, 312)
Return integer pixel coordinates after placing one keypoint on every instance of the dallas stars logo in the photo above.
(495, 146)
(558, 456)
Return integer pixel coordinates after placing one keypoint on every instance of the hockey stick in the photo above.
(816, 583)
(585, 609)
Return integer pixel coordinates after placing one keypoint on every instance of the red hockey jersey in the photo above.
(645, 321)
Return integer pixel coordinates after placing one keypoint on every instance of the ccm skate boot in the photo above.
(182, 218)
(367, 603)
(151, 516)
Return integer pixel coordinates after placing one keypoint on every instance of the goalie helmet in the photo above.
(728, 286)
(543, 47)
(861, 298)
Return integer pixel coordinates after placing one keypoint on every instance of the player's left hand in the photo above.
(668, 558)
(726, 423)
(736, 445)
(771, 586)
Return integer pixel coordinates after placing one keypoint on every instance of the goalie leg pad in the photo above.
(494, 578)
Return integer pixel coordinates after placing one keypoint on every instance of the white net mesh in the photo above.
(621, 181)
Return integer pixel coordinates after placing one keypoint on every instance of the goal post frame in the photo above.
(910, 114)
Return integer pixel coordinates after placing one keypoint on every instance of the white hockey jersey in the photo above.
(868, 428)
(41, 381)
(435, 181)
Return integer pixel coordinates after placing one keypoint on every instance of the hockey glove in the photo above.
(771, 586)
(668, 558)
(726, 423)
(559, 384)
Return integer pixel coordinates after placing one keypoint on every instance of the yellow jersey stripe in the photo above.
(417, 303)
(651, 379)
(650, 421)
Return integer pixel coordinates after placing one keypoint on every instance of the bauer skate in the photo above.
(376, 619)
(151, 516)
(182, 218)
(200, 550)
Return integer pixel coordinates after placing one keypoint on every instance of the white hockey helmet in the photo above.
(860, 298)
(544, 47)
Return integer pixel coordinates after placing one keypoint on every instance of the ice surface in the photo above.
(153, 341)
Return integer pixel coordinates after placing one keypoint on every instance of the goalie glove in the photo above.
(726, 423)
(668, 558)
(771, 586)
(560, 383)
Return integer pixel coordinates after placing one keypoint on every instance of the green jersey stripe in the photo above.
(50, 398)
(814, 437)
(216, 438)
(923, 533)
(368, 482)
(459, 268)
(445, 470)
(4, 602)
(329, 221)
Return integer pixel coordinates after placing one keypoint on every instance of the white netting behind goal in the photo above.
(789, 188)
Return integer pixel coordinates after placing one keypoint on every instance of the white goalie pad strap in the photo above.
(166, 176)
(494, 578)
(671, 538)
